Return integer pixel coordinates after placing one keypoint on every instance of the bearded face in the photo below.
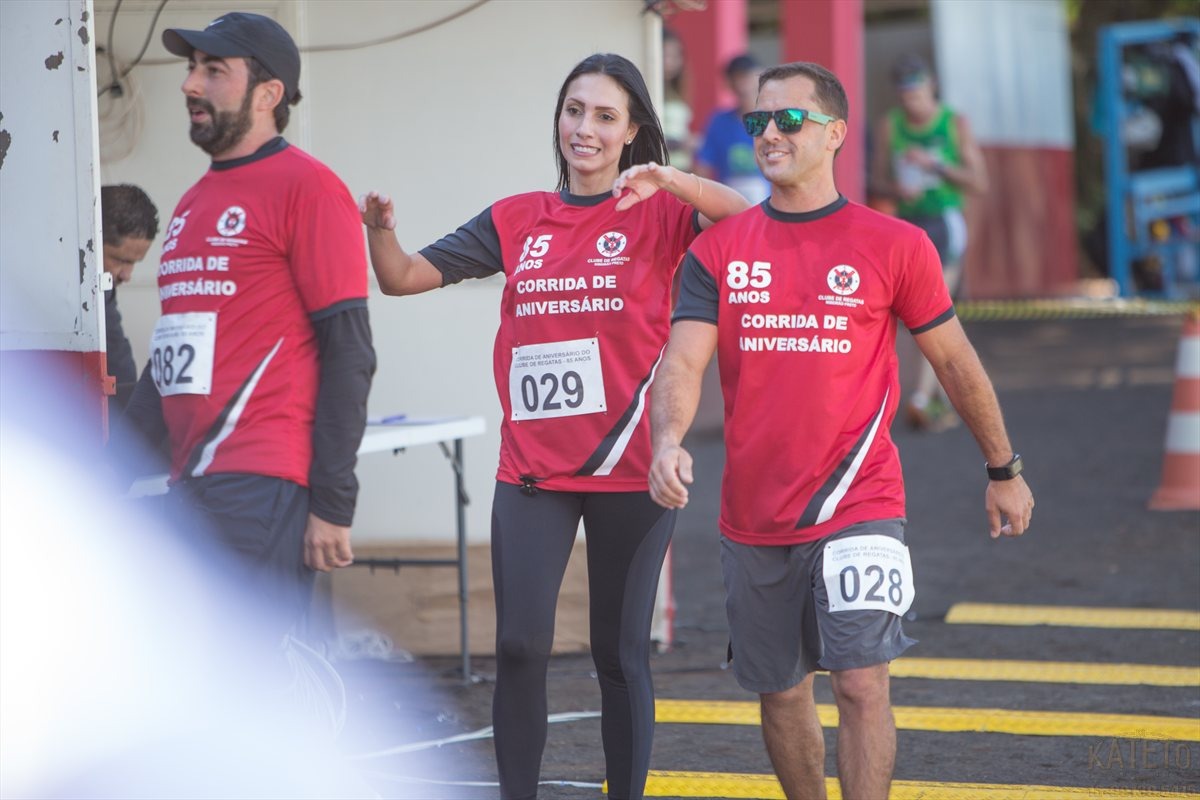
(219, 131)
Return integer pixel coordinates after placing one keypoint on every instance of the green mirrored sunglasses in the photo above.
(788, 120)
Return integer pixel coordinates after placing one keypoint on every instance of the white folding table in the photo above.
(397, 435)
(409, 432)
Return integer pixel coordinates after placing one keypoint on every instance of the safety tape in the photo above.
(1071, 308)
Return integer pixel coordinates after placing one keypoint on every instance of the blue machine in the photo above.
(1153, 208)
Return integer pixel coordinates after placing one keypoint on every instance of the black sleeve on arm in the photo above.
(120, 354)
(347, 358)
(698, 295)
(472, 251)
(138, 436)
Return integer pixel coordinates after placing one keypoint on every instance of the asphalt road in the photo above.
(1086, 403)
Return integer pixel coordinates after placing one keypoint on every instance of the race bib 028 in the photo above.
(181, 353)
(868, 572)
(556, 379)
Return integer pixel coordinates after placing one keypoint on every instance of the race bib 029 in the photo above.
(868, 572)
(556, 379)
(181, 353)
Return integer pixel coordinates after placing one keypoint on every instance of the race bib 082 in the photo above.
(556, 379)
(181, 353)
(868, 572)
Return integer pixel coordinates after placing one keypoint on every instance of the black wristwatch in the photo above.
(1005, 472)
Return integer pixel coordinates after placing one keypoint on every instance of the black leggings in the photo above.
(532, 536)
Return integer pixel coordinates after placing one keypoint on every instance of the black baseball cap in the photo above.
(909, 71)
(740, 64)
(242, 35)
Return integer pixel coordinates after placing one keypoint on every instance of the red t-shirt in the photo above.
(584, 318)
(254, 248)
(806, 308)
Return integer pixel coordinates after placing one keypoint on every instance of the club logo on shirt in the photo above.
(611, 244)
(173, 231)
(843, 279)
(232, 222)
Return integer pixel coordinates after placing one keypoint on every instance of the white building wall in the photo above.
(447, 121)
(50, 256)
(1006, 65)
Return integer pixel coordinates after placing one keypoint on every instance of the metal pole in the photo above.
(1115, 177)
(460, 498)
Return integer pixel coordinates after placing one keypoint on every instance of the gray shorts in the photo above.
(780, 625)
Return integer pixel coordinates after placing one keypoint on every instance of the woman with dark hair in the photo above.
(584, 319)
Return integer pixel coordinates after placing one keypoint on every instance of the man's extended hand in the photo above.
(326, 546)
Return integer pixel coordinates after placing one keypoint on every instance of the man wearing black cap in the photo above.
(926, 159)
(262, 359)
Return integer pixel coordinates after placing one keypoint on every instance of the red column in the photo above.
(830, 33)
(710, 38)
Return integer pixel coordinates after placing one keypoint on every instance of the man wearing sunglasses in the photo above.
(800, 296)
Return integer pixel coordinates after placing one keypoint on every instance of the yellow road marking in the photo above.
(1076, 616)
(735, 785)
(964, 669)
(978, 720)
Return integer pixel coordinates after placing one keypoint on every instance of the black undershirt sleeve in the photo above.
(347, 359)
(137, 442)
(120, 354)
(472, 251)
(699, 298)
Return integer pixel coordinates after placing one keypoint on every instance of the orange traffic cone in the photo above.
(1180, 488)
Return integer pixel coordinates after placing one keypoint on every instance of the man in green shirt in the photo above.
(926, 158)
